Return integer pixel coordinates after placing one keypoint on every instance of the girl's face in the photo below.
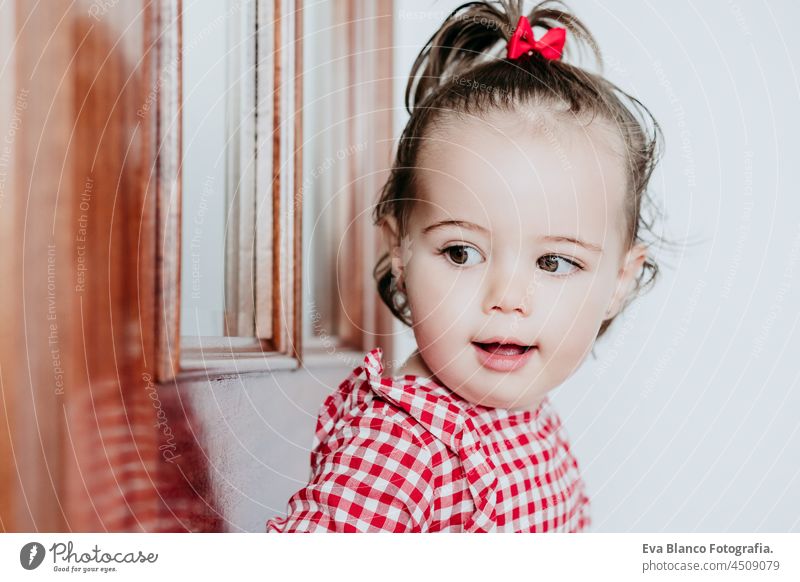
(516, 238)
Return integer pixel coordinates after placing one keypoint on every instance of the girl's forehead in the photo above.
(565, 177)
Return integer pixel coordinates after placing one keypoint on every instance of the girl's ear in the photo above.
(391, 238)
(626, 279)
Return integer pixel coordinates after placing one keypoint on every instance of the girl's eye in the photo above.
(558, 265)
(459, 255)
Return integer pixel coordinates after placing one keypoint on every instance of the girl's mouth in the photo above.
(503, 357)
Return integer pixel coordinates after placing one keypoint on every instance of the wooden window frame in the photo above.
(275, 343)
(366, 52)
(278, 340)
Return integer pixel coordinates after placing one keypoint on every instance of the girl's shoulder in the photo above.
(367, 401)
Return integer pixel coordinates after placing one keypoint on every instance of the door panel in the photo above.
(93, 443)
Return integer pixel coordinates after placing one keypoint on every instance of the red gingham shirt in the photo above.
(406, 454)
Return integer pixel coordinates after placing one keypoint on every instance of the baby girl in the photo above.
(513, 221)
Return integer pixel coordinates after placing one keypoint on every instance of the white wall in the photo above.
(687, 420)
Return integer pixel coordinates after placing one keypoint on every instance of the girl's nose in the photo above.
(509, 289)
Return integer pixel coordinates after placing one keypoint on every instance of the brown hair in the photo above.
(463, 70)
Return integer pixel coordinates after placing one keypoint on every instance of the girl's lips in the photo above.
(503, 357)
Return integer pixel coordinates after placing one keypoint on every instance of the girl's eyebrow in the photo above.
(587, 245)
(459, 223)
(477, 227)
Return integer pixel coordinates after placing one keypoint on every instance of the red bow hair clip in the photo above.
(550, 45)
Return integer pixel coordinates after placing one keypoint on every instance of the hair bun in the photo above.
(479, 31)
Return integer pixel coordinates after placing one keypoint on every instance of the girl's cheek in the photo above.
(431, 274)
(446, 299)
(570, 309)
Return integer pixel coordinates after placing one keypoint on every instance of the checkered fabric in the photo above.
(405, 454)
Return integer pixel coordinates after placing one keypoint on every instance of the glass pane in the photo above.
(324, 168)
(215, 117)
